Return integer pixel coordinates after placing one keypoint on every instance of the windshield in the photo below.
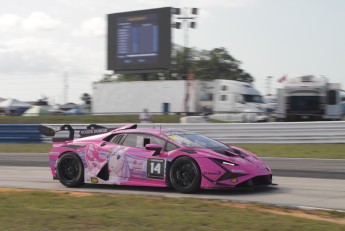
(253, 98)
(304, 103)
(192, 140)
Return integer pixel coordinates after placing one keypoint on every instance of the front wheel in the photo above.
(185, 175)
(70, 170)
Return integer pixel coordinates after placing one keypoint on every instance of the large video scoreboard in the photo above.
(139, 41)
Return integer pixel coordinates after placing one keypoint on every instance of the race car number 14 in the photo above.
(155, 168)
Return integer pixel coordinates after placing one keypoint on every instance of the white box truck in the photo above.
(309, 98)
(226, 100)
(229, 100)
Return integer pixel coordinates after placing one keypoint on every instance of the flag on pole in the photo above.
(282, 79)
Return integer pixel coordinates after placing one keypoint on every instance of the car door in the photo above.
(130, 161)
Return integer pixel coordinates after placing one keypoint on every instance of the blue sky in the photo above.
(41, 40)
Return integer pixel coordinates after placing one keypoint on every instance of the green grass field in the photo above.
(329, 151)
(35, 210)
(326, 151)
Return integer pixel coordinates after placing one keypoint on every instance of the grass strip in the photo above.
(35, 210)
(25, 148)
(325, 151)
(85, 119)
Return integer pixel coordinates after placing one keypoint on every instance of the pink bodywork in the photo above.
(130, 166)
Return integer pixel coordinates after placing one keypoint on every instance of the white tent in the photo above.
(13, 106)
(38, 110)
(13, 103)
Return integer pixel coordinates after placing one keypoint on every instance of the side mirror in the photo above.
(154, 147)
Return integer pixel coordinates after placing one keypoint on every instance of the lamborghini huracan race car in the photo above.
(150, 157)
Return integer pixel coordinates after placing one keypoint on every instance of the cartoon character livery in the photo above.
(151, 157)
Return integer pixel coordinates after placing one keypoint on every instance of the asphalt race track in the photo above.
(305, 183)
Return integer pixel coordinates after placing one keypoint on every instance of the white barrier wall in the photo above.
(279, 132)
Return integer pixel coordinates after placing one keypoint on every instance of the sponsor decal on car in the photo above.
(212, 173)
(137, 167)
(93, 131)
(238, 171)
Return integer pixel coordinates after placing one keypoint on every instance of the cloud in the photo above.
(31, 59)
(39, 21)
(8, 21)
(216, 3)
(37, 55)
(198, 3)
(94, 27)
(35, 21)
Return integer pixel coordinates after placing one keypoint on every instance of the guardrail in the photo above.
(276, 132)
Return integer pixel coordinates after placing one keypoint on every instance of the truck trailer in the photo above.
(309, 97)
(226, 100)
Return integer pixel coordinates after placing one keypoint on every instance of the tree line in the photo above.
(206, 65)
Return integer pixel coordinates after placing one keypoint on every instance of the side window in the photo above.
(157, 140)
(130, 140)
(170, 147)
(332, 97)
(140, 140)
(116, 139)
(223, 98)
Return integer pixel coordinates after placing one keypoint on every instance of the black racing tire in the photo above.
(70, 170)
(185, 175)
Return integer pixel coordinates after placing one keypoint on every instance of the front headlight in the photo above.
(225, 162)
(229, 163)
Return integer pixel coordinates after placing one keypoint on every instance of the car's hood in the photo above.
(233, 154)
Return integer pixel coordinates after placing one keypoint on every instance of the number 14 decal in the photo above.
(155, 168)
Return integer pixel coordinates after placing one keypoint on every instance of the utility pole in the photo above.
(187, 21)
(268, 85)
(65, 87)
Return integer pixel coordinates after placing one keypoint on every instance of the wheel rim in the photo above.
(69, 169)
(185, 174)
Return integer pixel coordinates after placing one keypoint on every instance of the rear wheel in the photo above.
(70, 170)
(185, 175)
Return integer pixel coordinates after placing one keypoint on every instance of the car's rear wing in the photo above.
(91, 130)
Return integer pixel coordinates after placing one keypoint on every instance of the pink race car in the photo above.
(151, 157)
